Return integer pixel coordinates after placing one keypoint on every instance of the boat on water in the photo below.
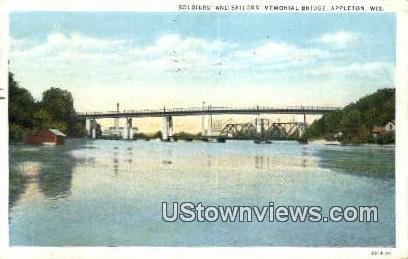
(325, 142)
(333, 143)
(221, 140)
(262, 141)
(49, 143)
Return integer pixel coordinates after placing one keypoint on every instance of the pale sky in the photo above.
(151, 60)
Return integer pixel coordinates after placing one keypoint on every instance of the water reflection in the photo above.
(17, 185)
(55, 178)
(209, 160)
(45, 170)
(272, 162)
(84, 162)
(129, 180)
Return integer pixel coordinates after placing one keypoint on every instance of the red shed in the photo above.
(47, 137)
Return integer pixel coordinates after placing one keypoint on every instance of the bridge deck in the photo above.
(194, 111)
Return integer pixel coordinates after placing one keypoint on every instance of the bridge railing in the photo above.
(213, 109)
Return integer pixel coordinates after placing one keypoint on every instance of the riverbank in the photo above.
(324, 142)
(335, 142)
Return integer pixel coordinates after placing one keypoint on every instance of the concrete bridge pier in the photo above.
(129, 129)
(258, 126)
(167, 128)
(92, 128)
(88, 127)
(302, 128)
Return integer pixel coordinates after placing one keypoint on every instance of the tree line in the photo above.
(356, 120)
(54, 110)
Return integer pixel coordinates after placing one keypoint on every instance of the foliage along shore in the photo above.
(357, 120)
(27, 116)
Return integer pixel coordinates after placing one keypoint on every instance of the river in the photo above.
(109, 193)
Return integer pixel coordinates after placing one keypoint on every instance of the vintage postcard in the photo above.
(214, 125)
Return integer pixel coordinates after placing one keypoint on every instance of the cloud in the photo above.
(375, 69)
(174, 52)
(168, 53)
(177, 63)
(175, 42)
(283, 53)
(339, 39)
(59, 42)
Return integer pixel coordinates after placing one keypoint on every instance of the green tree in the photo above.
(21, 106)
(56, 110)
(356, 120)
(60, 105)
(79, 129)
(41, 119)
(158, 134)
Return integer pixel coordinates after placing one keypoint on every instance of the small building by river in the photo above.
(47, 137)
(390, 126)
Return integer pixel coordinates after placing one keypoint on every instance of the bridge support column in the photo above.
(167, 128)
(302, 128)
(129, 129)
(209, 129)
(93, 128)
(258, 126)
(88, 127)
(204, 125)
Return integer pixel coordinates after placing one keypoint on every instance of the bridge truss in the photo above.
(274, 130)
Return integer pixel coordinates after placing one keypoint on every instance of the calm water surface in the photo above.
(109, 193)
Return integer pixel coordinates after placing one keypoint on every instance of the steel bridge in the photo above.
(263, 129)
(168, 114)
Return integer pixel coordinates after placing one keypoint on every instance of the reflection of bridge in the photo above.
(168, 115)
